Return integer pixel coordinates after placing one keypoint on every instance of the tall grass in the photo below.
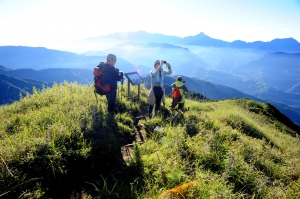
(61, 143)
(244, 154)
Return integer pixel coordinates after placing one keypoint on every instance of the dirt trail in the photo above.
(140, 137)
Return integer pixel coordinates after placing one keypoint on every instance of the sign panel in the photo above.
(134, 78)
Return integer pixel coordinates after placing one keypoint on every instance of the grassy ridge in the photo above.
(61, 143)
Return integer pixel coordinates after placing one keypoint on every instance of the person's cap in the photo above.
(179, 78)
(111, 57)
(156, 61)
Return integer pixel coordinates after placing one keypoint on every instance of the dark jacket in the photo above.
(113, 75)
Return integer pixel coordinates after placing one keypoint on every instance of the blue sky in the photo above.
(41, 22)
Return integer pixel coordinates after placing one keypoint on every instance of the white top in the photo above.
(157, 75)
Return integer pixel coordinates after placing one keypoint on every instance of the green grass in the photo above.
(61, 143)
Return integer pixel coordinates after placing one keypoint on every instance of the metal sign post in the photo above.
(135, 79)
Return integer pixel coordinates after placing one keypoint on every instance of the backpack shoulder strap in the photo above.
(104, 67)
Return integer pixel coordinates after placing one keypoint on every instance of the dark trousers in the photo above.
(111, 100)
(158, 93)
(179, 107)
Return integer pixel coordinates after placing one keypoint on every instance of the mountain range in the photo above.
(270, 73)
(266, 71)
(201, 39)
(12, 84)
(11, 87)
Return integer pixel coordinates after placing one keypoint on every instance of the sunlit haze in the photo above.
(49, 22)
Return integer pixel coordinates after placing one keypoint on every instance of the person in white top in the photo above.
(157, 91)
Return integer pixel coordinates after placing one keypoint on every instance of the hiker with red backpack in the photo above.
(179, 91)
(106, 83)
(157, 91)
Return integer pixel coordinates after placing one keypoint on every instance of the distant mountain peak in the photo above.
(285, 39)
(202, 34)
(199, 36)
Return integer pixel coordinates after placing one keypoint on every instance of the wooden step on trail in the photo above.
(127, 152)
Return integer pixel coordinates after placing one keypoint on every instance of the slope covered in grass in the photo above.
(61, 143)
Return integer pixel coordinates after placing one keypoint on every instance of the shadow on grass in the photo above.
(77, 165)
(108, 175)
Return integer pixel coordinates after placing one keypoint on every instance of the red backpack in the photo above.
(100, 80)
(176, 95)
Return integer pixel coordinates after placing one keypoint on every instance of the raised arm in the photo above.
(169, 72)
